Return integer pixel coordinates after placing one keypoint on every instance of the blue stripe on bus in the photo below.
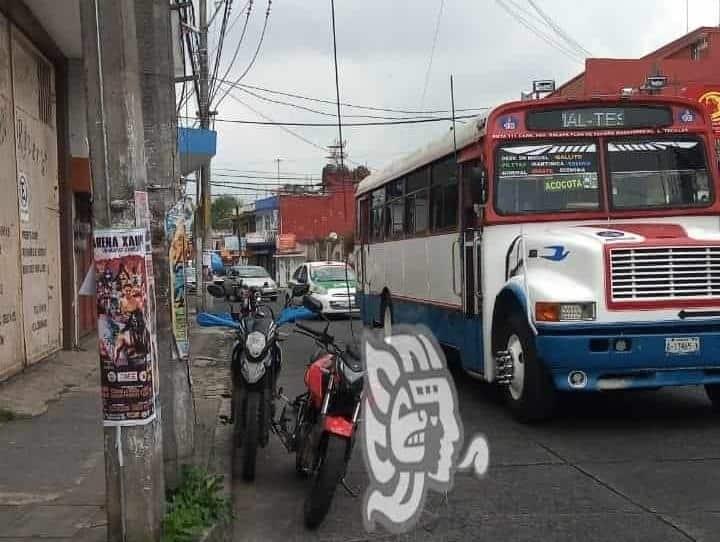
(450, 327)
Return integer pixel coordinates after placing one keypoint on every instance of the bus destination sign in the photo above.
(599, 118)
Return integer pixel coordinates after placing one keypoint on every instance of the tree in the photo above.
(222, 210)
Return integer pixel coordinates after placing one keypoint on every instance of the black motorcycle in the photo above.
(256, 362)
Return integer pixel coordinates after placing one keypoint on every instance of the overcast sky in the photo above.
(384, 49)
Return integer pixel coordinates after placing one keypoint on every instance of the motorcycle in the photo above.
(256, 362)
(319, 425)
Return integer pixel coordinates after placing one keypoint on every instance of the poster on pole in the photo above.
(125, 343)
(178, 228)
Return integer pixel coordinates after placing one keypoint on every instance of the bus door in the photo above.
(472, 179)
(472, 285)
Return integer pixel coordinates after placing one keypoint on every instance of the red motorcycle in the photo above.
(319, 425)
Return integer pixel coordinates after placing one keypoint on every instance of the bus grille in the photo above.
(664, 273)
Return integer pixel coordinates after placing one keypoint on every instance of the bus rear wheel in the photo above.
(531, 394)
(713, 393)
(386, 316)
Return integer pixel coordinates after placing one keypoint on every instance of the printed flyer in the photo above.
(124, 333)
(178, 228)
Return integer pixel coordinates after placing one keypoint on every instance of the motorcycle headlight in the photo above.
(255, 344)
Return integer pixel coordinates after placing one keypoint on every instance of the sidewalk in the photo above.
(52, 472)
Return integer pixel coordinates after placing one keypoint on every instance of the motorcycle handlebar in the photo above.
(319, 335)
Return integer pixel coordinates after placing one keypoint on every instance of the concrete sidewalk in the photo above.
(52, 481)
(52, 472)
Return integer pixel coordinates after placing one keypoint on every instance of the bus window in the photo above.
(473, 175)
(417, 188)
(377, 215)
(395, 209)
(656, 173)
(444, 194)
(542, 178)
(364, 220)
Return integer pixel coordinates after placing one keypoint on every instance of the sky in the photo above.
(384, 50)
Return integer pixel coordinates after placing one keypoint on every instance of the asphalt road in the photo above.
(620, 467)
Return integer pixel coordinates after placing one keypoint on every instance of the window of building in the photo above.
(444, 194)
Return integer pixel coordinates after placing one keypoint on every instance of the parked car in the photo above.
(255, 276)
(331, 283)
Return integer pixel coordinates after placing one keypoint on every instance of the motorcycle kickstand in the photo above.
(354, 493)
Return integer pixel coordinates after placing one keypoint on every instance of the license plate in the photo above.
(682, 345)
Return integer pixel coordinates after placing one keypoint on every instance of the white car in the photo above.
(255, 276)
(331, 283)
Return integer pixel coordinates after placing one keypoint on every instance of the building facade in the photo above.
(44, 178)
(690, 64)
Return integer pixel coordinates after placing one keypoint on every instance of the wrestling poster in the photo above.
(178, 228)
(124, 333)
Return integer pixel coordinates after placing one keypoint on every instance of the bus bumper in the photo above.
(630, 356)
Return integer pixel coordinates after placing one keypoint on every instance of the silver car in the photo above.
(256, 277)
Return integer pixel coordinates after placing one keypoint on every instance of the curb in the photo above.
(221, 463)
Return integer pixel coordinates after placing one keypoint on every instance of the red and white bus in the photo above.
(556, 244)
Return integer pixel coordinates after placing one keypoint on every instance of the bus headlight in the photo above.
(564, 312)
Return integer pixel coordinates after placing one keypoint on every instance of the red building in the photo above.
(306, 222)
(690, 63)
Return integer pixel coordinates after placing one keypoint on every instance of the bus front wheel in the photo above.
(713, 393)
(530, 395)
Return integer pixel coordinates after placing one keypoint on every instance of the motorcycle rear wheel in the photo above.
(327, 477)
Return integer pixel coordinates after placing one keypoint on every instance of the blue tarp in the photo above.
(286, 316)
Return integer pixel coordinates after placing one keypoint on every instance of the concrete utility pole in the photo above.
(160, 123)
(134, 481)
(204, 100)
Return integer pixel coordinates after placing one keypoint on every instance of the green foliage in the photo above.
(6, 415)
(194, 506)
(223, 208)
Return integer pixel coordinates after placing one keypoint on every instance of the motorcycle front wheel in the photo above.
(250, 434)
(327, 477)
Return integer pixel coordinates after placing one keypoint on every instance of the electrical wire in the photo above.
(221, 43)
(539, 33)
(254, 57)
(559, 31)
(216, 83)
(345, 104)
(432, 53)
(318, 112)
(326, 124)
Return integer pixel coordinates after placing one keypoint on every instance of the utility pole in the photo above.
(204, 102)
(278, 160)
(134, 481)
(160, 125)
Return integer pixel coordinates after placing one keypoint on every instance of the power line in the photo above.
(326, 124)
(345, 104)
(254, 57)
(221, 42)
(432, 53)
(268, 177)
(237, 48)
(316, 111)
(539, 33)
(285, 128)
(559, 31)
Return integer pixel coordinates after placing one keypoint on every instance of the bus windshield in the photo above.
(652, 173)
(553, 177)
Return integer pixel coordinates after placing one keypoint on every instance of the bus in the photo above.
(555, 245)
